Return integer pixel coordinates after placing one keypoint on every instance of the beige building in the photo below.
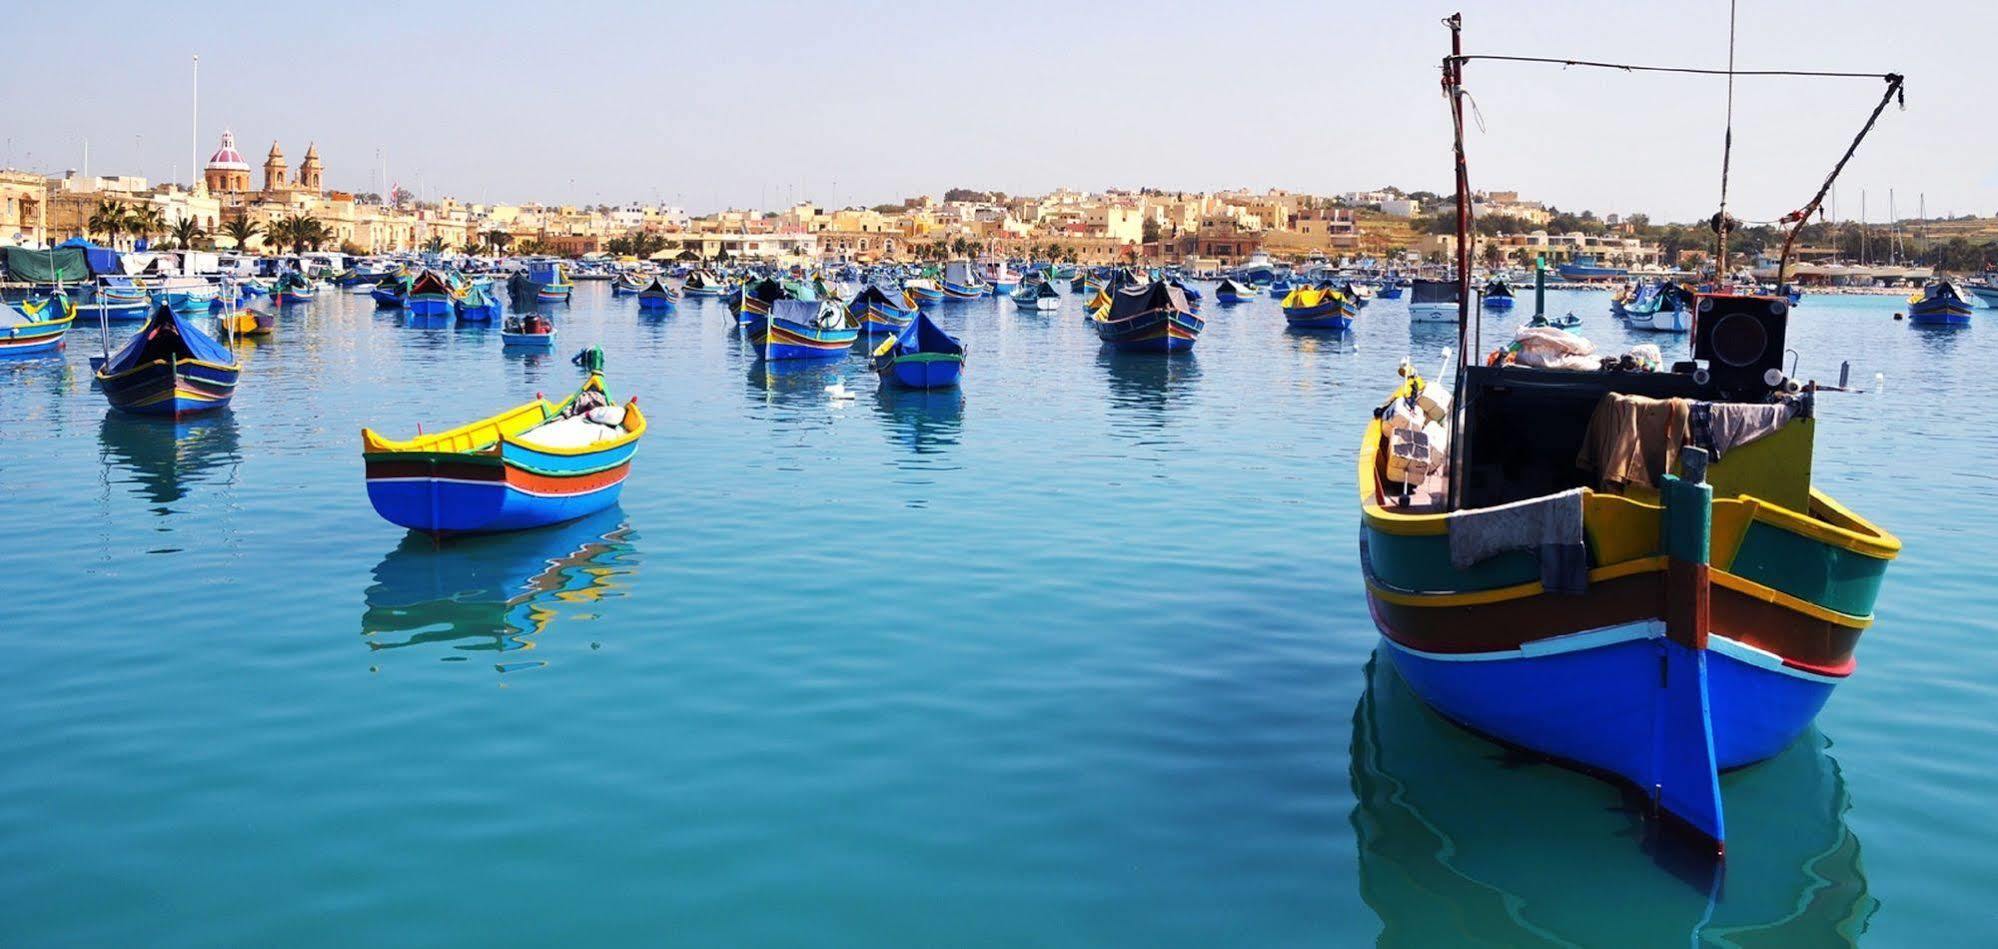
(23, 208)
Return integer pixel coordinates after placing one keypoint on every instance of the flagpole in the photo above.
(194, 128)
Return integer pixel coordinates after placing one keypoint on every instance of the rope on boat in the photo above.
(1798, 218)
(1727, 155)
(1690, 70)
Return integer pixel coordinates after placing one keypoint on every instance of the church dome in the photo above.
(227, 158)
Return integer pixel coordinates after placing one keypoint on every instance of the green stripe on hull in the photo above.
(1421, 564)
(1832, 577)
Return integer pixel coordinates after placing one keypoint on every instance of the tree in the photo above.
(435, 245)
(300, 232)
(185, 232)
(145, 221)
(242, 231)
(1149, 234)
(109, 219)
(498, 239)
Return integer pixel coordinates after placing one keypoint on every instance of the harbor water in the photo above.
(1078, 656)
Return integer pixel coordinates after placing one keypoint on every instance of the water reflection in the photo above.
(926, 421)
(795, 382)
(497, 594)
(1149, 381)
(164, 458)
(1317, 341)
(1463, 842)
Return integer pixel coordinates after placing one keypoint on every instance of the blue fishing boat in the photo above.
(923, 291)
(390, 293)
(120, 299)
(1498, 294)
(751, 301)
(962, 282)
(1318, 308)
(537, 464)
(657, 297)
(1586, 270)
(478, 305)
(1229, 293)
(527, 331)
(1941, 303)
(430, 295)
(36, 327)
(881, 312)
(921, 356)
(1148, 317)
(1000, 280)
(627, 285)
(802, 329)
(704, 285)
(1390, 289)
(1663, 307)
(543, 281)
(292, 288)
(190, 295)
(1037, 294)
(1281, 287)
(169, 368)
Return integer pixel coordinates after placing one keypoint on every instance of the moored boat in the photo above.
(1498, 294)
(923, 291)
(431, 295)
(1148, 317)
(478, 304)
(921, 356)
(530, 466)
(1432, 301)
(1038, 295)
(170, 368)
(1941, 303)
(881, 312)
(119, 298)
(528, 331)
(1662, 307)
(657, 297)
(1228, 292)
(391, 291)
(802, 329)
(1318, 308)
(36, 327)
(704, 285)
(292, 288)
(962, 282)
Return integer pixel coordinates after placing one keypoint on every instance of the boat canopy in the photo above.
(1432, 291)
(166, 334)
(1146, 298)
(923, 335)
(58, 265)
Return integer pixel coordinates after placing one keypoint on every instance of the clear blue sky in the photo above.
(741, 103)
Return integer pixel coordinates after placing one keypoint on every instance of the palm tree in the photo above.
(435, 245)
(185, 232)
(278, 233)
(301, 232)
(110, 219)
(242, 231)
(498, 239)
(145, 221)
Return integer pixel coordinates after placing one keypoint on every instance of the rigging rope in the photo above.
(1689, 70)
(1727, 156)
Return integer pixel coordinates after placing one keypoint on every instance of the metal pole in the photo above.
(194, 129)
(1540, 286)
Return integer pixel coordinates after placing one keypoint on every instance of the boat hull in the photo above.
(654, 303)
(517, 489)
(1154, 331)
(964, 291)
(1432, 312)
(781, 339)
(171, 388)
(1329, 315)
(34, 339)
(527, 340)
(925, 295)
(1498, 303)
(1952, 314)
(924, 371)
(430, 304)
(1662, 321)
(478, 312)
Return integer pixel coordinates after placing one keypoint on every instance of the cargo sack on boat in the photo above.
(1548, 348)
(1549, 526)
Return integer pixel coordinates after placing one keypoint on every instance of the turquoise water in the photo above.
(1080, 657)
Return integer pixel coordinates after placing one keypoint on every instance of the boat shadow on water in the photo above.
(163, 458)
(926, 421)
(1463, 841)
(1149, 382)
(497, 593)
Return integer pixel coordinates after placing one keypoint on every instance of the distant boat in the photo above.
(1941, 303)
(36, 327)
(544, 281)
(390, 293)
(528, 331)
(530, 466)
(1037, 295)
(628, 284)
(189, 294)
(752, 300)
(1280, 288)
(1319, 308)
(1390, 289)
(431, 295)
(1986, 291)
(657, 297)
(703, 284)
(291, 288)
(169, 368)
(1662, 307)
(478, 305)
(1148, 317)
(961, 282)
(1228, 292)
(923, 291)
(802, 329)
(1000, 279)
(1585, 269)
(119, 298)
(1432, 301)
(921, 356)
(1498, 294)
(881, 312)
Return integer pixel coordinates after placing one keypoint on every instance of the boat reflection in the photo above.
(498, 593)
(1149, 381)
(798, 381)
(1321, 340)
(163, 457)
(1461, 841)
(926, 421)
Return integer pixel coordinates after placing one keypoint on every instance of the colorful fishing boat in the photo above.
(962, 282)
(169, 368)
(802, 329)
(119, 298)
(1662, 307)
(1000, 279)
(657, 297)
(528, 331)
(1228, 292)
(189, 295)
(431, 295)
(1626, 570)
(1281, 287)
(246, 322)
(751, 301)
(923, 291)
(1498, 294)
(392, 291)
(1038, 295)
(1941, 303)
(543, 281)
(530, 466)
(1587, 270)
(921, 356)
(36, 327)
(478, 304)
(292, 288)
(1148, 317)
(1318, 308)
(881, 312)
(1390, 289)
(628, 284)
(1432, 301)
(704, 285)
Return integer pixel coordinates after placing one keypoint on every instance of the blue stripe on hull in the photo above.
(930, 374)
(457, 507)
(427, 305)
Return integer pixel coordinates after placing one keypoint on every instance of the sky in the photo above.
(759, 103)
